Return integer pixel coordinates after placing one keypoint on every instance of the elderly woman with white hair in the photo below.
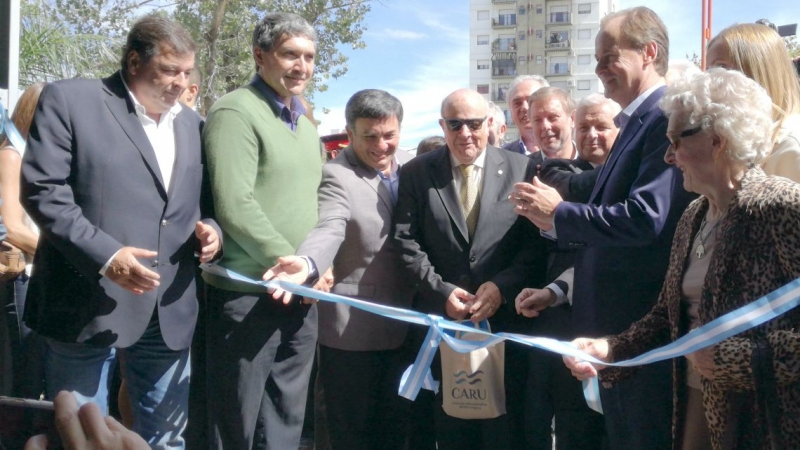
(737, 242)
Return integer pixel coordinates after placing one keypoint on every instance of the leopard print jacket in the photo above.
(757, 251)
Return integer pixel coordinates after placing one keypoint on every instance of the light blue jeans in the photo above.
(157, 377)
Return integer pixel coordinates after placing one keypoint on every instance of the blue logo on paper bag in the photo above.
(469, 377)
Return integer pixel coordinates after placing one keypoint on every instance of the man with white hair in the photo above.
(497, 126)
(518, 93)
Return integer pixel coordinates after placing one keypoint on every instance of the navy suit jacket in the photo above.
(624, 233)
(90, 180)
(438, 254)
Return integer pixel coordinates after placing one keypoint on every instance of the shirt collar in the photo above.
(393, 172)
(287, 114)
(142, 111)
(622, 118)
(479, 161)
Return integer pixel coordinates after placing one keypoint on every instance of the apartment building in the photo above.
(552, 38)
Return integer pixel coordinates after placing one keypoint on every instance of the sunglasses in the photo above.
(472, 124)
(690, 132)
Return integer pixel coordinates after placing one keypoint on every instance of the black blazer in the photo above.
(574, 179)
(90, 180)
(437, 252)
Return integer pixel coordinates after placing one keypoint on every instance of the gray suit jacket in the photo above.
(354, 234)
(90, 180)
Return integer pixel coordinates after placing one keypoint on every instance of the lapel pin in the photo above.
(499, 172)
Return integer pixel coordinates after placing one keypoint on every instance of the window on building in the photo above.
(584, 85)
(483, 39)
(539, 34)
(558, 39)
(584, 60)
(507, 17)
(539, 9)
(561, 85)
(483, 64)
(483, 88)
(539, 59)
(483, 15)
(558, 65)
(559, 15)
(504, 67)
(584, 34)
(522, 11)
(584, 8)
(500, 93)
(521, 36)
(522, 59)
(506, 43)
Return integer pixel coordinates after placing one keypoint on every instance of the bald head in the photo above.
(465, 124)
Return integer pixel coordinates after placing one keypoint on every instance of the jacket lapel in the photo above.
(631, 129)
(493, 182)
(442, 174)
(121, 107)
(370, 176)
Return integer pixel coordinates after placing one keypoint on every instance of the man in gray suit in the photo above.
(463, 243)
(113, 177)
(361, 356)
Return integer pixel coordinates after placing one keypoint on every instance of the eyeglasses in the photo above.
(472, 124)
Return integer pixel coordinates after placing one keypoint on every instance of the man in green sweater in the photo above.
(264, 164)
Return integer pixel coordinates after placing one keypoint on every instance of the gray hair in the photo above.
(153, 33)
(523, 78)
(641, 25)
(730, 105)
(595, 99)
(372, 104)
(273, 26)
(498, 116)
(430, 144)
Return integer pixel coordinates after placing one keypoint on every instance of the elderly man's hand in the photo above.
(126, 270)
(85, 428)
(583, 370)
(459, 303)
(530, 301)
(293, 269)
(537, 202)
(487, 301)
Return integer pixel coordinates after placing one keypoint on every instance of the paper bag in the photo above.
(473, 384)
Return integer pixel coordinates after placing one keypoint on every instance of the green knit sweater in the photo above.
(264, 179)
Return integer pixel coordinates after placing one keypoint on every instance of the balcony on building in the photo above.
(559, 18)
(504, 21)
(504, 68)
(504, 45)
(559, 69)
(504, 2)
(558, 40)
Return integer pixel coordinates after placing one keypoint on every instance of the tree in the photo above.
(84, 38)
(792, 45)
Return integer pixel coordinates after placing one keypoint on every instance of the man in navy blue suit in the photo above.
(623, 235)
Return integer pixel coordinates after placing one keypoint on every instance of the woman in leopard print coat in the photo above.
(719, 129)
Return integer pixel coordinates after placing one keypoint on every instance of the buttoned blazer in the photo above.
(624, 232)
(91, 182)
(437, 250)
(354, 235)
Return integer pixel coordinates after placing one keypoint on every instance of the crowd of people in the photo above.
(620, 222)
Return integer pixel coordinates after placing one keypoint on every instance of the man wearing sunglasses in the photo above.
(462, 242)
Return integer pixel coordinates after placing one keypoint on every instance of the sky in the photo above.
(418, 50)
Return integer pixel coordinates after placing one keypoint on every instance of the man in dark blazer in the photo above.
(625, 231)
(113, 178)
(361, 357)
(463, 244)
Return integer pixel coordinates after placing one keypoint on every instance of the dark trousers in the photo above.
(258, 355)
(364, 410)
(638, 411)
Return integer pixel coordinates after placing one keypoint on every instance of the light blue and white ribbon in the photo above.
(11, 132)
(418, 375)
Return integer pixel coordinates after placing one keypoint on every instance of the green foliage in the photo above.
(83, 38)
(793, 46)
